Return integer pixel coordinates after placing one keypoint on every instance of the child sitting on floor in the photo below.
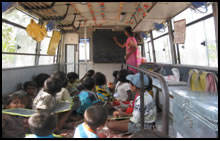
(73, 82)
(87, 97)
(13, 126)
(133, 124)
(45, 100)
(101, 87)
(30, 88)
(64, 94)
(124, 112)
(115, 75)
(122, 90)
(90, 74)
(42, 125)
(40, 79)
(95, 116)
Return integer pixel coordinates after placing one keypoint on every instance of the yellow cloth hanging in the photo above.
(36, 31)
(54, 43)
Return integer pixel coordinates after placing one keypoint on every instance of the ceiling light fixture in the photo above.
(122, 16)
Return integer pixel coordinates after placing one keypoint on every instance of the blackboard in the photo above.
(105, 50)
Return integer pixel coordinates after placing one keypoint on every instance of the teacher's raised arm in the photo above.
(119, 44)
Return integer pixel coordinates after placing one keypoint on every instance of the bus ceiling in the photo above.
(72, 15)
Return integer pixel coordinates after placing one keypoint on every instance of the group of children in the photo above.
(97, 99)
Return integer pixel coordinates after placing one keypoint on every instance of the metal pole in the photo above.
(173, 51)
(178, 53)
(152, 45)
(165, 97)
(85, 42)
(142, 100)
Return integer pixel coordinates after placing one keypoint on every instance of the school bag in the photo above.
(202, 81)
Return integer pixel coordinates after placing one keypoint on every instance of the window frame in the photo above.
(88, 59)
(152, 39)
(37, 48)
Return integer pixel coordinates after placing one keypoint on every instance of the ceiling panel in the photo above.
(159, 14)
(111, 12)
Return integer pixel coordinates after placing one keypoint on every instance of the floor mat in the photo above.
(106, 133)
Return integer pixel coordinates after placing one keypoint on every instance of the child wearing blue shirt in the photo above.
(87, 97)
(94, 117)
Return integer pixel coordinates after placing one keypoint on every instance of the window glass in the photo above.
(211, 42)
(147, 50)
(193, 52)
(162, 50)
(191, 15)
(16, 40)
(82, 49)
(159, 33)
(9, 61)
(17, 17)
(44, 45)
(46, 60)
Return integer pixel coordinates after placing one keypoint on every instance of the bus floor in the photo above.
(106, 133)
(172, 131)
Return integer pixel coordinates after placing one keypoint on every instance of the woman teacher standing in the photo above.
(132, 56)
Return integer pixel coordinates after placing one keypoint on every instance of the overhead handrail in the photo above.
(72, 24)
(165, 97)
(58, 18)
(68, 25)
(38, 7)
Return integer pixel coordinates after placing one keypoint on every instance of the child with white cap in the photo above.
(134, 124)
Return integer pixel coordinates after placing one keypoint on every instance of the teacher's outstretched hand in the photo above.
(119, 44)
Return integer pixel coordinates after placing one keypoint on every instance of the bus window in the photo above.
(70, 58)
(44, 44)
(162, 50)
(18, 17)
(191, 15)
(148, 49)
(82, 49)
(15, 41)
(159, 33)
(200, 42)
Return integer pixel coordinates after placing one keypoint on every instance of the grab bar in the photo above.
(165, 97)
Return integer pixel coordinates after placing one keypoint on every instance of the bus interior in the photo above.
(78, 36)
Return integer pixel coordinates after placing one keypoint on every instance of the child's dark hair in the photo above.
(130, 72)
(81, 87)
(146, 133)
(129, 30)
(29, 84)
(42, 123)
(72, 76)
(100, 79)
(89, 83)
(6, 100)
(122, 75)
(95, 116)
(90, 73)
(52, 86)
(40, 79)
(62, 76)
(115, 73)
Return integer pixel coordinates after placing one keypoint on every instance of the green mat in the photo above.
(59, 108)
